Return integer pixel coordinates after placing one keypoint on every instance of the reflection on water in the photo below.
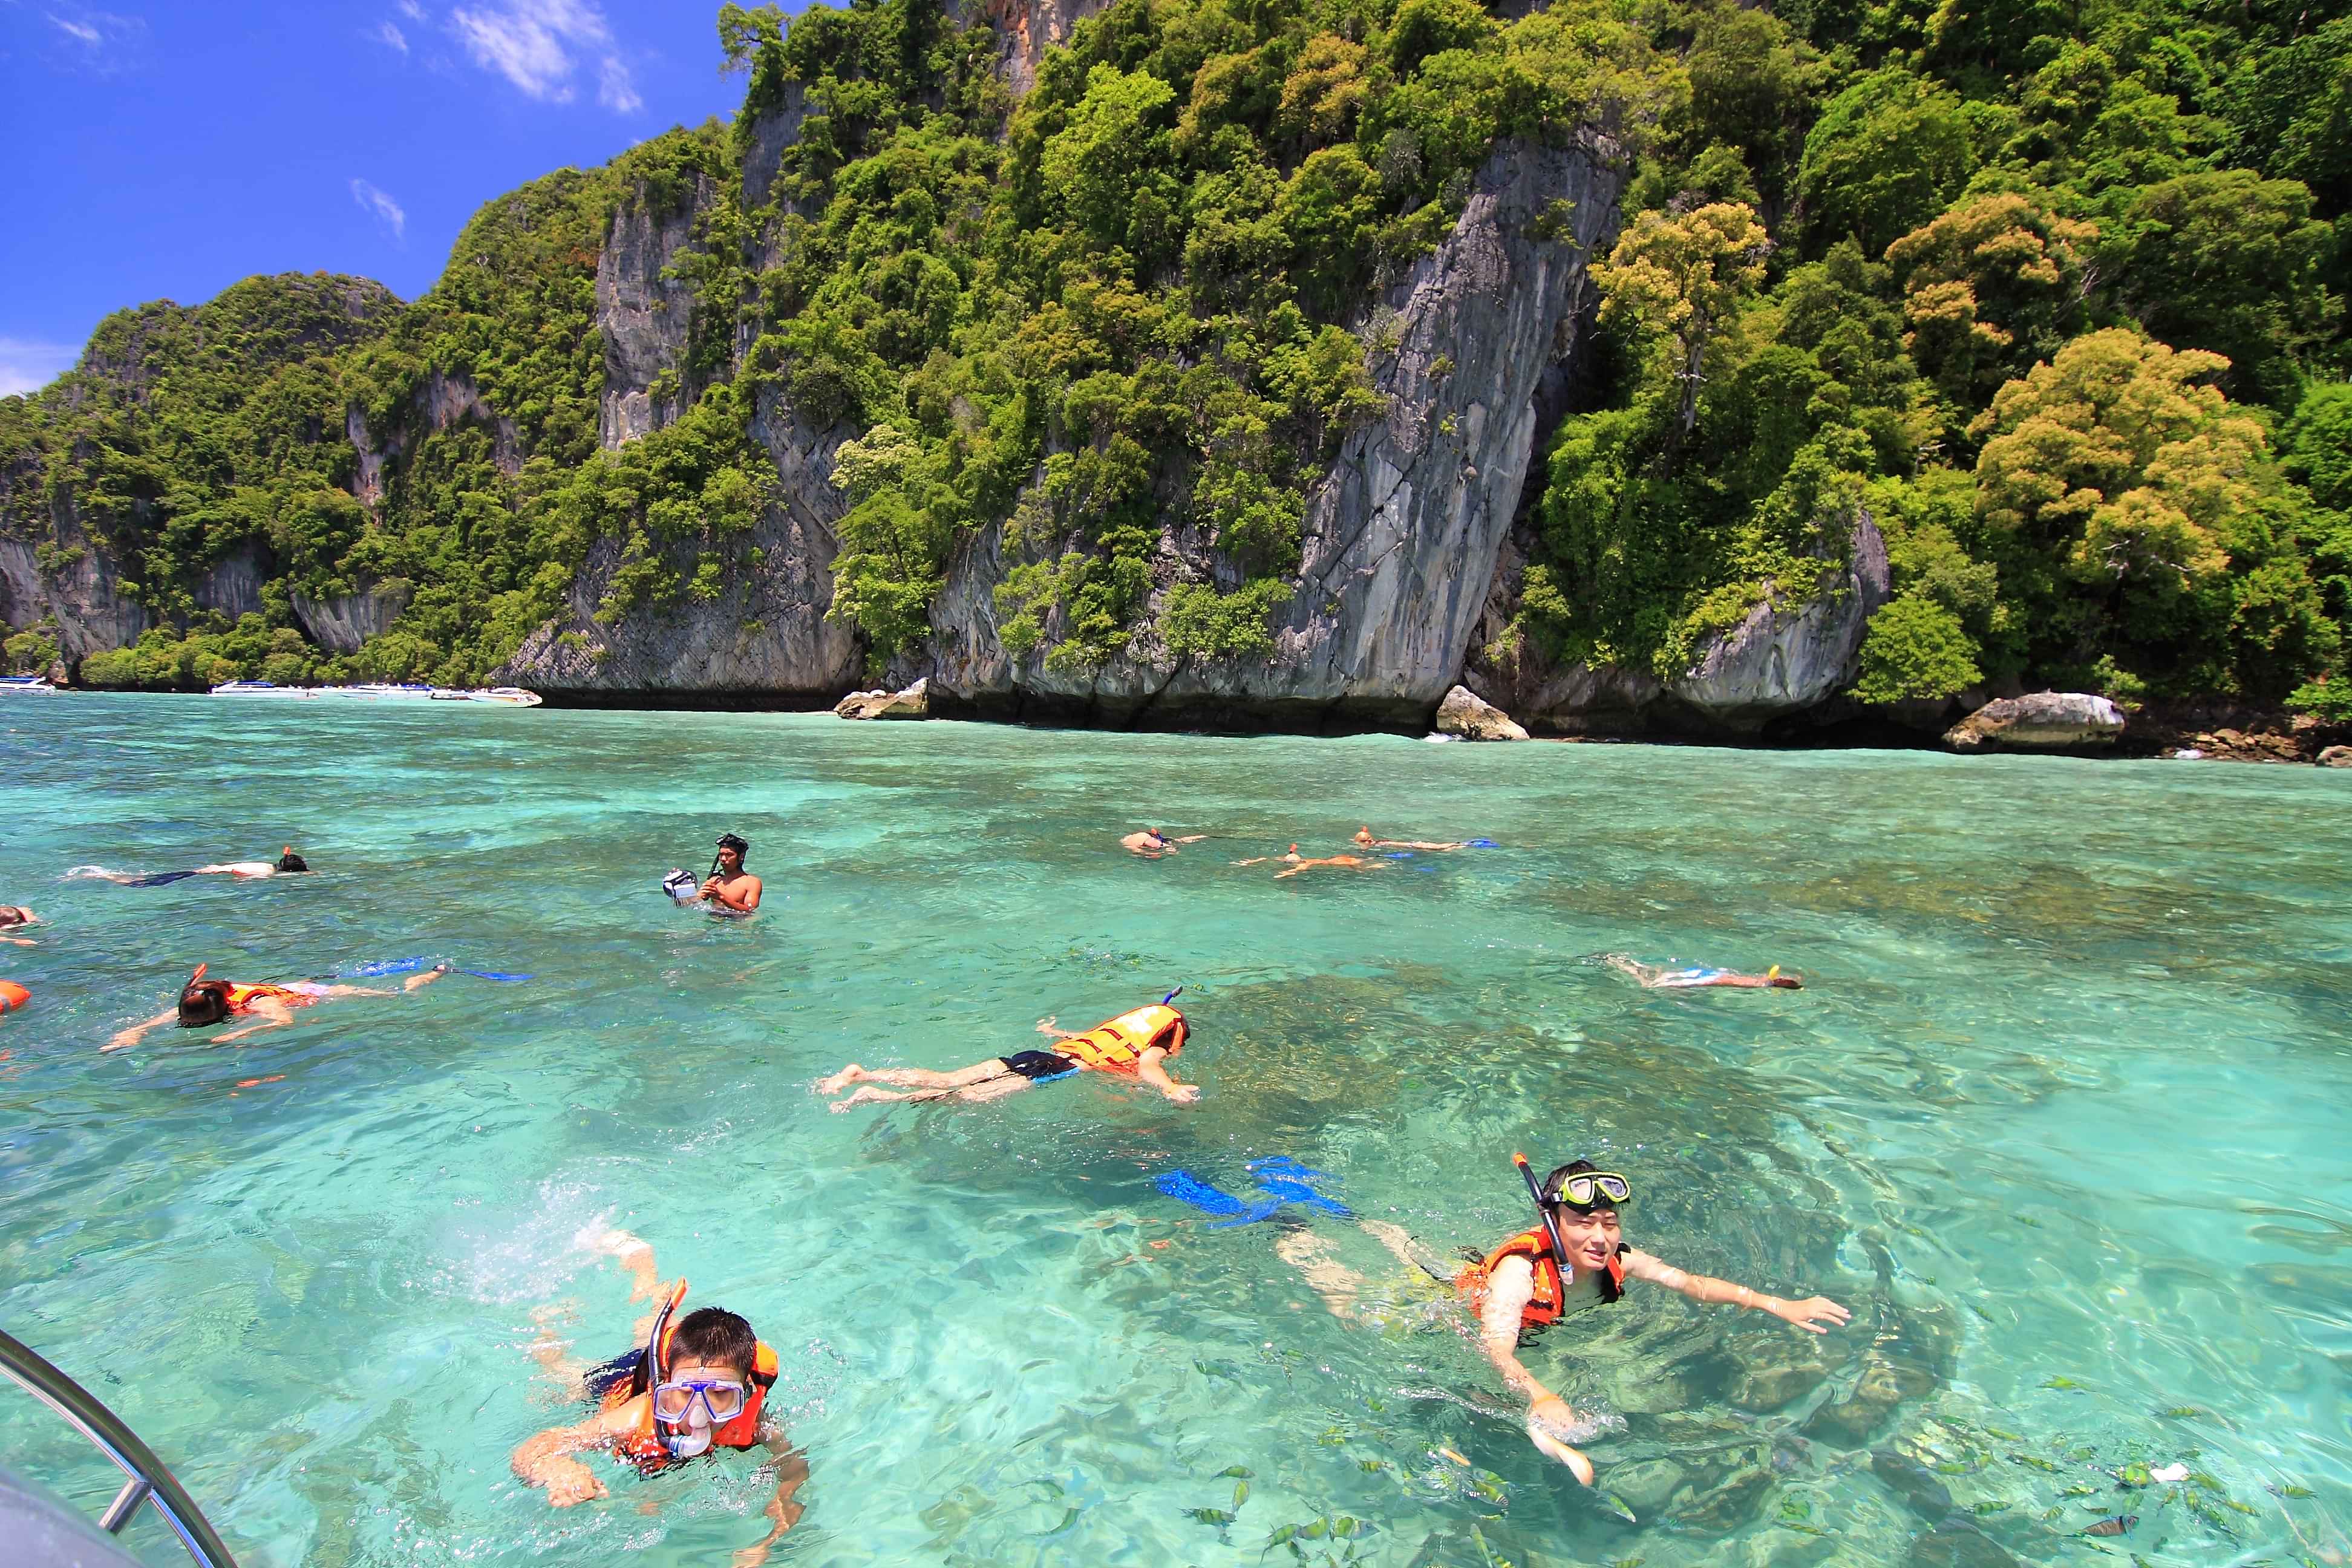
(2059, 1115)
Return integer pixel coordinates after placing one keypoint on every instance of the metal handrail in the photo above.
(148, 1480)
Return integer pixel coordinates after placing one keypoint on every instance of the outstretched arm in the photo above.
(1149, 1069)
(547, 1461)
(1707, 1288)
(783, 1508)
(137, 1032)
(273, 1014)
(1509, 1290)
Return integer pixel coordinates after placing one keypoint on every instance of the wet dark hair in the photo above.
(735, 842)
(1553, 1183)
(289, 862)
(1788, 982)
(204, 1002)
(14, 915)
(715, 1337)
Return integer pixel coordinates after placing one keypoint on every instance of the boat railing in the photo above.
(146, 1479)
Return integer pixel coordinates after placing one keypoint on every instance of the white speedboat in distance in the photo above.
(507, 696)
(26, 683)
(260, 688)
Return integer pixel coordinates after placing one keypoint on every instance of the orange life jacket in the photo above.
(1549, 1302)
(1120, 1044)
(643, 1447)
(241, 998)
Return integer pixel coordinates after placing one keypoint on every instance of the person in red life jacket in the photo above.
(699, 1384)
(204, 1002)
(1573, 1259)
(1137, 1044)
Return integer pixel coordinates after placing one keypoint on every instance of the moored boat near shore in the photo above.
(24, 683)
(508, 696)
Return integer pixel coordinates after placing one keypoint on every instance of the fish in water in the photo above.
(2120, 1524)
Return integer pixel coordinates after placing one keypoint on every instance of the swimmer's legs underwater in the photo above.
(990, 1080)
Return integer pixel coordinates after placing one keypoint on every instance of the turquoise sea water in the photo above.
(2062, 1115)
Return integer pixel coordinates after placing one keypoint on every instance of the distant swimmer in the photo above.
(729, 886)
(1151, 843)
(1290, 857)
(698, 1384)
(1135, 1043)
(1657, 977)
(1572, 1260)
(244, 870)
(1364, 841)
(204, 1002)
(1346, 862)
(13, 917)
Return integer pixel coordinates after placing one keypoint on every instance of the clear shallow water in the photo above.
(2062, 1116)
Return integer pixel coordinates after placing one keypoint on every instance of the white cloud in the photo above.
(27, 367)
(615, 90)
(412, 10)
(386, 209)
(540, 46)
(394, 39)
(96, 41)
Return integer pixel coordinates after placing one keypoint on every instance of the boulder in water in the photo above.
(915, 702)
(2044, 721)
(1473, 718)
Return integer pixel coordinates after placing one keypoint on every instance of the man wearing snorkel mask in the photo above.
(1574, 1258)
(699, 1384)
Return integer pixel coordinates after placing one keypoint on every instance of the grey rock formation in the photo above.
(233, 587)
(641, 315)
(914, 702)
(441, 402)
(78, 596)
(771, 134)
(341, 624)
(767, 631)
(1473, 718)
(2044, 720)
(1784, 657)
(1401, 536)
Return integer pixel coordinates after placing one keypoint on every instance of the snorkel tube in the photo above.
(678, 1444)
(1543, 1209)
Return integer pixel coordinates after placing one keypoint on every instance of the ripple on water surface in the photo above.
(2060, 1116)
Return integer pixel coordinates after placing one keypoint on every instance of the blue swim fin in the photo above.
(1183, 1186)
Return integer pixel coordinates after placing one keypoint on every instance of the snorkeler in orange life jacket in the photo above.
(1135, 1043)
(697, 1386)
(1573, 1258)
(204, 1002)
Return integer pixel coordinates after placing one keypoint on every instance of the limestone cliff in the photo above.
(1401, 535)
(643, 316)
(1786, 656)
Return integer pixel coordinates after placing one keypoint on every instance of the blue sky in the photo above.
(163, 149)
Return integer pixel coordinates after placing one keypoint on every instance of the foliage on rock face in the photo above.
(2053, 296)
(2042, 284)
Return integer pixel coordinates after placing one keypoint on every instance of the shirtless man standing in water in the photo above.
(731, 887)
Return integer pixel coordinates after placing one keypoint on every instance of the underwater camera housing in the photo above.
(682, 887)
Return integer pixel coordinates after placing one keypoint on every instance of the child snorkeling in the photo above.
(698, 1383)
(204, 1002)
(1574, 1258)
